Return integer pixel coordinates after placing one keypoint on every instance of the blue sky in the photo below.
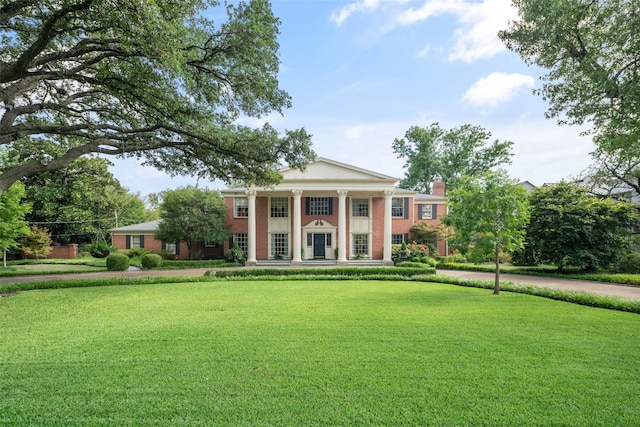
(360, 73)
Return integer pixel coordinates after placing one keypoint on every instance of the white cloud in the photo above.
(496, 88)
(477, 23)
(342, 14)
(478, 36)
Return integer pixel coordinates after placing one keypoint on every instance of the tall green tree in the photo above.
(152, 79)
(569, 227)
(12, 222)
(591, 50)
(434, 153)
(79, 202)
(193, 215)
(489, 214)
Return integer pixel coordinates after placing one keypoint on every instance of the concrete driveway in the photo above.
(618, 290)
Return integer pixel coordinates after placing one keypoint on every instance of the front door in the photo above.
(318, 245)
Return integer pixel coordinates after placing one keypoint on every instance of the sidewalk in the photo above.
(618, 290)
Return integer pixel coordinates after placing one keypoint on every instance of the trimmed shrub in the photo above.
(137, 252)
(150, 261)
(456, 258)
(99, 249)
(629, 263)
(117, 262)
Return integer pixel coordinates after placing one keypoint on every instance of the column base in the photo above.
(296, 263)
(387, 263)
(342, 262)
(250, 263)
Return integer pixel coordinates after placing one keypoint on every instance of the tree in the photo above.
(614, 172)
(194, 215)
(434, 154)
(156, 80)
(569, 227)
(12, 222)
(489, 214)
(428, 234)
(79, 202)
(37, 243)
(592, 51)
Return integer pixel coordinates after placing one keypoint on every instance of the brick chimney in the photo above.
(438, 188)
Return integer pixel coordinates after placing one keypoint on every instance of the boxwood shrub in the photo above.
(150, 261)
(117, 262)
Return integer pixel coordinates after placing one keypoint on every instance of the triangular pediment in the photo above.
(329, 170)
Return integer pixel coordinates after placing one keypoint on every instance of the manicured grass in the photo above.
(313, 353)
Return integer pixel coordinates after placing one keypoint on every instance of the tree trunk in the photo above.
(496, 285)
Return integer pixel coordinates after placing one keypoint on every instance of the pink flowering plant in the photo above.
(413, 252)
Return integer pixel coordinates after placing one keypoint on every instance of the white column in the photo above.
(342, 226)
(297, 228)
(386, 251)
(251, 231)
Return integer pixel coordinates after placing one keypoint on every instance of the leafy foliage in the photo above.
(37, 244)
(117, 262)
(12, 214)
(157, 80)
(569, 227)
(194, 215)
(489, 214)
(99, 249)
(235, 254)
(629, 263)
(592, 51)
(78, 203)
(434, 154)
(150, 261)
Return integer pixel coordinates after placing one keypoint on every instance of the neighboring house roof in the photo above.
(143, 227)
(428, 198)
(527, 185)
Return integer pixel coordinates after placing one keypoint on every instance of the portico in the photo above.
(330, 211)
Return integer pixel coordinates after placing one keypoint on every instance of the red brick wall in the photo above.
(119, 241)
(64, 252)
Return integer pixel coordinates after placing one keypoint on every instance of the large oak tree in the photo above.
(157, 80)
(591, 50)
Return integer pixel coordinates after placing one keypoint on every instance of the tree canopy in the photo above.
(489, 214)
(569, 227)
(12, 213)
(435, 153)
(157, 80)
(82, 200)
(194, 215)
(591, 50)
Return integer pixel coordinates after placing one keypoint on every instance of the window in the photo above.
(242, 241)
(280, 245)
(135, 242)
(318, 206)
(397, 207)
(170, 248)
(328, 240)
(397, 239)
(360, 207)
(279, 207)
(360, 244)
(241, 207)
(425, 211)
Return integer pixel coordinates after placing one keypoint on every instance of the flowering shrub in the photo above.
(413, 252)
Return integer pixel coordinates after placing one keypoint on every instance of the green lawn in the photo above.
(313, 353)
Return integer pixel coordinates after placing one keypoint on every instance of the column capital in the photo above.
(388, 194)
(296, 193)
(343, 193)
(251, 193)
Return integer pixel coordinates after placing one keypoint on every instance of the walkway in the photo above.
(622, 291)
